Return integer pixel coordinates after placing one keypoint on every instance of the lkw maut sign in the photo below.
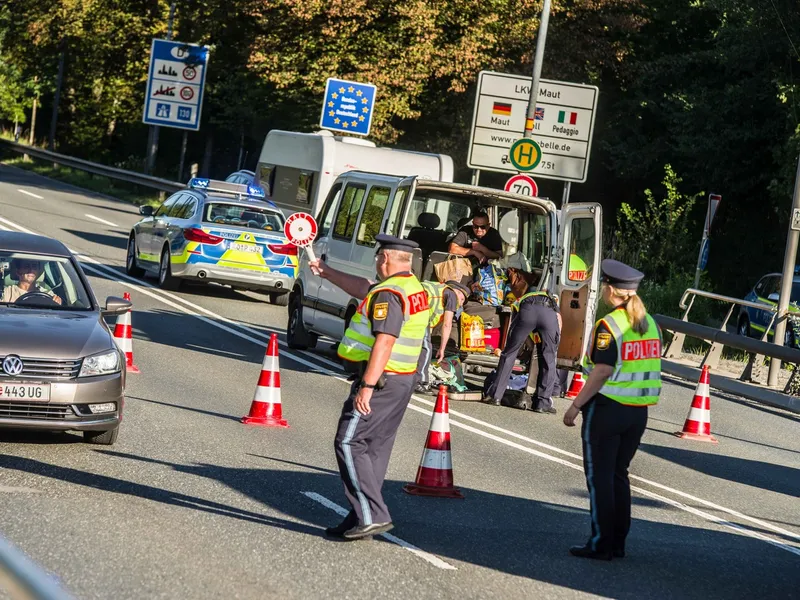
(175, 84)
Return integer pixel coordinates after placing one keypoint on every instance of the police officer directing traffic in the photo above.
(537, 311)
(382, 347)
(445, 301)
(624, 378)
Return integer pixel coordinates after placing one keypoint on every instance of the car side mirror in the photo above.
(146, 210)
(116, 306)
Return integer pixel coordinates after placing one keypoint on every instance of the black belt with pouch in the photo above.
(357, 370)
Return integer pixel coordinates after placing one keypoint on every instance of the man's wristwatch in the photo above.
(364, 384)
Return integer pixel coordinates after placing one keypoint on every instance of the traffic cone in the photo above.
(265, 409)
(698, 421)
(575, 386)
(435, 473)
(124, 338)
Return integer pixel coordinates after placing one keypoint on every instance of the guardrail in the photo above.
(162, 185)
(757, 349)
(23, 578)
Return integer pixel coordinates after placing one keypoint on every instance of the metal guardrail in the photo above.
(719, 338)
(162, 185)
(24, 579)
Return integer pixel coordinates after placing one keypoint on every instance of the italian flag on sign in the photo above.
(567, 117)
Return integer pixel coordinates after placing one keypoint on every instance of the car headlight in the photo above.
(100, 364)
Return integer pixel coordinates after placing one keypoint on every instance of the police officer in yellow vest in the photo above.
(382, 345)
(537, 312)
(624, 370)
(445, 301)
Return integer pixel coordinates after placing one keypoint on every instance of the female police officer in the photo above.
(624, 369)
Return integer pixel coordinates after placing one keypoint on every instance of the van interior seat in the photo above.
(427, 235)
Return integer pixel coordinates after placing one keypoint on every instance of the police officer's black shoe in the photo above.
(587, 552)
(490, 400)
(350, 521)
(422, 388)
(365, 531)
(618, 552)
(548, 411)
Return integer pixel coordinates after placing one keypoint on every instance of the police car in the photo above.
(754, 322)
(215, 231)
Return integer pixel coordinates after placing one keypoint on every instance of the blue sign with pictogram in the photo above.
(704, 254)
(175, 84)
(348, 106)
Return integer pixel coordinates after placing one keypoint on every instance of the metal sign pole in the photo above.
(183, 155)
(538, 59)
(476, 176)
(565, 195)
(789, 259)
(152, 142)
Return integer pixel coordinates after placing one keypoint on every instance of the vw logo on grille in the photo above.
(12, 365)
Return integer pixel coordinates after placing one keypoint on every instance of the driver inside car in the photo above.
(26, 272)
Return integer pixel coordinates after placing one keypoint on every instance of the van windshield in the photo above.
(237, 215)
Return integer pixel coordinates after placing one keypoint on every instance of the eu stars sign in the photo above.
(348, 106)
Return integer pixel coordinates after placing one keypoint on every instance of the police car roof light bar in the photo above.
(240, 190)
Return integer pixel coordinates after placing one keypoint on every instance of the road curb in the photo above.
(733, 386)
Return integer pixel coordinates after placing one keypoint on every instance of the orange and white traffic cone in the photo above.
(123, 336)
(575, 386)
(265, 409)
(698, 421)
(435, 473)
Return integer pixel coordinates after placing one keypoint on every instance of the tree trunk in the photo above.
(207, 156)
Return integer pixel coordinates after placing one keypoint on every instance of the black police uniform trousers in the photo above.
(535, 314)
(363, 445)
(611, 433)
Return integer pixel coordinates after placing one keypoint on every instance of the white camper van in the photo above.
(298, 169)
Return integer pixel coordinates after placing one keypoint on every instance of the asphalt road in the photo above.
(189, 503)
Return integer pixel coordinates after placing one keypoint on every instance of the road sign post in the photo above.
(563, 125)
(538, 59)
(789, 259)
(523, 185)
(348, 106)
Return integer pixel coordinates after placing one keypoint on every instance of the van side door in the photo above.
(577, 281)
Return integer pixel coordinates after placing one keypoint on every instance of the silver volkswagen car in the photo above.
(60, 368)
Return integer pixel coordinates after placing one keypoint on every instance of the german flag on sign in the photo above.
(501, 108)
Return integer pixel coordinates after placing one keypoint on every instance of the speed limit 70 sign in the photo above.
(522, 184)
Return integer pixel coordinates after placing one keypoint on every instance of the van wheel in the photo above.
(279, 299)
(165, 279)
(105, 438)
(297, 336)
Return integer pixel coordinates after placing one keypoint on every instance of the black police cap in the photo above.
(457, 285)
(620, 275)
(390, 242)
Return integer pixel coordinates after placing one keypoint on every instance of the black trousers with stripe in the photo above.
(611, 433)
(363, 445)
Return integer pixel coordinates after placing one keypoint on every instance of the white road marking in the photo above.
(107, 272)
(30, 194)
(99, 220)
(342, 511)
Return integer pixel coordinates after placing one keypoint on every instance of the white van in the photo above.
(298, 169)
(537, 237)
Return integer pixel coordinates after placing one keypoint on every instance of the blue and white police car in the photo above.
(755, 322)
(215, 231)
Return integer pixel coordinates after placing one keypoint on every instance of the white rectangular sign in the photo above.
(563, 126)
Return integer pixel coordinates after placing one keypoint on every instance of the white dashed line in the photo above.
(30, 194)
(99, 220)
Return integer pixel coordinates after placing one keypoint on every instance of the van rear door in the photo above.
(577, 283)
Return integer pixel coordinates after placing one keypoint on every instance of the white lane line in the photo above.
(109, 273)
(341, 510)
(27, 193)
(99, 220)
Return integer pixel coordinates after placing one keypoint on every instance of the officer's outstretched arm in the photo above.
(357, 287)
(381, 351)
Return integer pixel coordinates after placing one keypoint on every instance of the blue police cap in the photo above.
(390, 242)
(620, 275)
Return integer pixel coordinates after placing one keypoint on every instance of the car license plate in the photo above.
(243, 247)
(33, 392)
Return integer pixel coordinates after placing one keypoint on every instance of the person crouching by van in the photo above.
(445, 301)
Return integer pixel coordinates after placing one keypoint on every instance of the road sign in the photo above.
(704, 254)
(175, 84)
(301, 230)
(713, 204)
(563, 125)
(522, 184)
(796, 219)
(525, 154)
(348, 106)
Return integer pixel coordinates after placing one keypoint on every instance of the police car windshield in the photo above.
(254, 217)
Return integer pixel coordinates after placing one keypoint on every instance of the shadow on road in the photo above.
(118, 241)
(756, 473)
(210, 413)
(521, 537)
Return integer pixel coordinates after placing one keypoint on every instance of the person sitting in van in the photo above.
(478, 240)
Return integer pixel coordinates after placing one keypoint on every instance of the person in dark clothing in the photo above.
(624, 369)
(479, 240)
